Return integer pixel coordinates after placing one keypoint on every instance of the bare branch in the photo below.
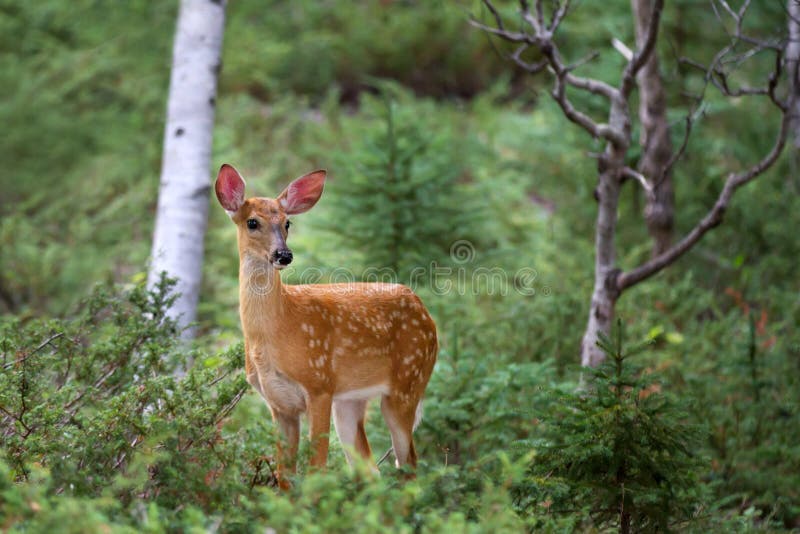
(715, 75)
(678, 154)
(558, 16)
(497, 18)
(542, 39)
(534, 22)
(592, 85)
(532, 68)
(34, 351)
(595, 129)
(727, 8)
(712, 219)
(539, 13)
(514, 37)
(639, 177)
(622, 48)
(583, 61)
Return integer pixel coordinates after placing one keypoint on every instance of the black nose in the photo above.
(283, 257)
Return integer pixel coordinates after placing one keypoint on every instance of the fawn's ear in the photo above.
(301, 195)
(230, 189)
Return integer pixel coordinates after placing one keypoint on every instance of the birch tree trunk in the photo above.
(181, 218)
(654, 138)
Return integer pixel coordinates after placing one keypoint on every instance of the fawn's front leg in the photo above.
(287, 445)
(319, 418)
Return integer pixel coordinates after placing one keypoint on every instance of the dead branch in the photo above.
(34, 351)
(539, 35)
(715, 75)
(640, 178)
(712, 219)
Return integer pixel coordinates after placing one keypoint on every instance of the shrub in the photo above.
(621, 451)
(404, 178)
(96, 401)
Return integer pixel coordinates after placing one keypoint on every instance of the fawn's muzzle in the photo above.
(282, 257)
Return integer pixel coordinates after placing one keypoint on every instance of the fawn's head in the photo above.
(263, 223)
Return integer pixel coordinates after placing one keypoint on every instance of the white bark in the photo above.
(181, 218)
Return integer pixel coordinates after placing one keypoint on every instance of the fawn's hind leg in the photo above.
(348, 418)
(400, 418)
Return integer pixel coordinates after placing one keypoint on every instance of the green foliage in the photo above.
(146, 450)
(477, 405)
(751, 405)
(398, 194)
(307, 47)
(96, 402)
(82, 121)
(621, 448)
(100, 433)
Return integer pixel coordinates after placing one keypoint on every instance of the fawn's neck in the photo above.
(261, 296)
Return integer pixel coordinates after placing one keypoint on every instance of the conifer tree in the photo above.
(622, 448)
(400, 200)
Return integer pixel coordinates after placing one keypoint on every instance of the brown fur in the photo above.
(308, 347)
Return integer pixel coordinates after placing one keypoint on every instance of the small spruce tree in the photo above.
(400, 192)
(621, 449)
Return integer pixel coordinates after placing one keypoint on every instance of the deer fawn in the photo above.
(317, 348)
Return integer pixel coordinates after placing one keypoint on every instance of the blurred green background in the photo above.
(311, 84)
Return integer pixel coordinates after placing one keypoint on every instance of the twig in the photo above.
(384, 457)
(541, 38)
(231, 405)
(639, 177)
(622, 48)
(34, 351)
(712, 219)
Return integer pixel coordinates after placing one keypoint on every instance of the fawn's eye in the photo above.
(252, 224)
(288, 224)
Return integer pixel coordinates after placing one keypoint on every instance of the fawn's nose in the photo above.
(282, 257)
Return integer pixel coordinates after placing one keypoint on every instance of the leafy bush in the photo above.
(102, 431)
(476, 405)
(622, 450)
(97, 403)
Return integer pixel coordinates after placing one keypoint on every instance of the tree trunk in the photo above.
(792, 60)
(181, 218)
(605, 293)
(654, 139)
